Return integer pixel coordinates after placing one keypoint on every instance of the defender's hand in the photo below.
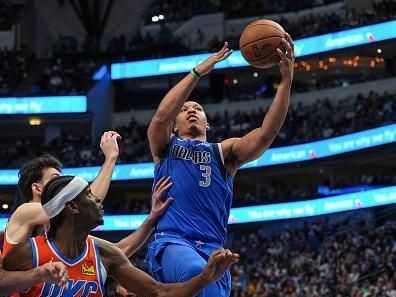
(218, 263)
(159, 205)
(207, 66)
(109, 144)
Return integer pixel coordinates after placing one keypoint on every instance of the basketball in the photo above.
(259, 41)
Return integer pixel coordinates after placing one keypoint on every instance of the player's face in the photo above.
(37, 188)
(191, 119)
(91, 209)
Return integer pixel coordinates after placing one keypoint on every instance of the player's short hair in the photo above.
(32, 172)
(51, 189)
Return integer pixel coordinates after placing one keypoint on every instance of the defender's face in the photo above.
(91, 209)
(191, 117)
(48, 174)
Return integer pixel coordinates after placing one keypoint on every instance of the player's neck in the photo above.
(201, 137)
(70, 240)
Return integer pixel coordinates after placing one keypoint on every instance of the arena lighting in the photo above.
(271, 212)
(41, 105)
(303, 47)
(35, 122)
(273, 156)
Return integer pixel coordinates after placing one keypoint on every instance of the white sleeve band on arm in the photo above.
(53, 207)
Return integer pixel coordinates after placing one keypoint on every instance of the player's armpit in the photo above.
(238, 151)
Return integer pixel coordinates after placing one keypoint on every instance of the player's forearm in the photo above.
(277, 112)
(174, 100)
(100, 186)
(133, 242)
(186, 289)
(15, 281)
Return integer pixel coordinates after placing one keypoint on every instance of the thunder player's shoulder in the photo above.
(19, 257)
(108, 251)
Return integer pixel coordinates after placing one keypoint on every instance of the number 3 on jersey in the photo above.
(206, 174)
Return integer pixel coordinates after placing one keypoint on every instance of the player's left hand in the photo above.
(159, 206)
(286, 64)
(54, 272)
(207, 66)
(109, 144)
(218, 263)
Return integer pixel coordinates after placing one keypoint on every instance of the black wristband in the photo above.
(196, 73)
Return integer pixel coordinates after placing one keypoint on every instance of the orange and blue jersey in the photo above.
(8, 244)
(86, 272)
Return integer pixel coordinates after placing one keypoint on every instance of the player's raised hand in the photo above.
(54, 273)
(207, 66)
(109, 144)
(286, 65)
(218, 263)
(159, 206)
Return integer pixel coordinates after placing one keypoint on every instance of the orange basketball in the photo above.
(259, 41)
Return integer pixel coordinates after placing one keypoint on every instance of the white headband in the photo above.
(53, 207)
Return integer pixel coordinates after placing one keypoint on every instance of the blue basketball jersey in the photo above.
(202, 191)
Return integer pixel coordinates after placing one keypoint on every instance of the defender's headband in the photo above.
(53, 207)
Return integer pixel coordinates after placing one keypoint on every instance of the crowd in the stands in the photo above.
(320, 120)
(72, 59)
(14, 67)
(166, 44)
(320, 260)
(349, 256)
(124, 47)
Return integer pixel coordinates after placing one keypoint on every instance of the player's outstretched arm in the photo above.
(160, 129)
(238, 151)
(109, 146)
(20, 258)
(139, 282)
(133, 242)
(24, 219)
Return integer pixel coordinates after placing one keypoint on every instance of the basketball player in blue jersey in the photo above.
(202, 174)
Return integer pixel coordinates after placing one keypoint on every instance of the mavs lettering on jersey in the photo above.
(202, 191)
(73, 288)
(185, 153)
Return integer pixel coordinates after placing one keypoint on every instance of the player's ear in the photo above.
(72, 207)
(37, 189)
(207, 126)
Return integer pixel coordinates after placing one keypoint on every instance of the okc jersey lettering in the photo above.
(73, 288)
(196, 156)
(87, 272)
